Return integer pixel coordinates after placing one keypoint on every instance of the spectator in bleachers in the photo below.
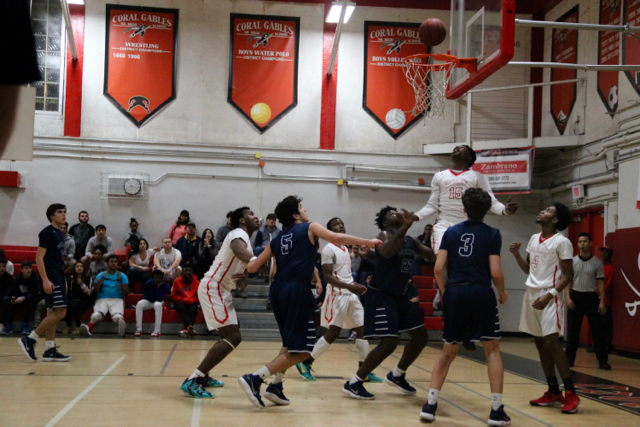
(185, 300)
(133, 231)
(224, 230)
(23, 296)
(6, 280)
(3, 255)
(69, 249)
(154, 293)
(139, 263)
(82, 232)
(354, 253)
(98, 265)
(207, 252)
(179, 229)
(425, 239)
(189, 246)
(111, 287)
(100, 238)
(367, 263)
(79, 298)
(168, 260)
(266, 234)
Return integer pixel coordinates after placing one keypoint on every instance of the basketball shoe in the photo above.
(571, 402)
(400, 382)
(357, 391)
(429, 412)
(251, 385)
(193, 388)
(275, 394)
(548, 399)
(498, 417)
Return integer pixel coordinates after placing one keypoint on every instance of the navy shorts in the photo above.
(470, 312)
(57, 298)
(294, 309)
(387, 315)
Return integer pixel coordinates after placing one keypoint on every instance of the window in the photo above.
(47, 25)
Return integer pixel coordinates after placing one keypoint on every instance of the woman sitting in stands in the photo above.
(79, 298)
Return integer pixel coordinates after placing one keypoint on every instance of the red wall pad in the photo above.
(9, 179)
(73, 93)
(329, 89)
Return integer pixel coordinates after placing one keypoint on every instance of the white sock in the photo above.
(50, 344)
(496, 400)
(33, 335)
(363, 349)
(277, 378)
(355, 379)
(262, 372)
(197, 374)
(432, 399)
(321, 346)
(397, 372)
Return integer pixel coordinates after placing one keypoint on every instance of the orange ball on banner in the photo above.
(260, 113)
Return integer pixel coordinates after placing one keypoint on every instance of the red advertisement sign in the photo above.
(263, 67)
(630, 44)
(140, 60)
(508, 170)
(387, 96)
(564, 48)
(609, 54)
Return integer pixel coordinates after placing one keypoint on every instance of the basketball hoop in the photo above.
(430, 80)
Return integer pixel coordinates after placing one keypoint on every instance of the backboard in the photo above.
(481, 29)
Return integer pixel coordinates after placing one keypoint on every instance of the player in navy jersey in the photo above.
(51, 269)
(468, 260)
(293, 304)
(388, 311)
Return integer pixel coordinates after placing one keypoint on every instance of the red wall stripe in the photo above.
(329, 89)
(73, 92)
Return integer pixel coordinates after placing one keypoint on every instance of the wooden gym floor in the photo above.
(136, 382)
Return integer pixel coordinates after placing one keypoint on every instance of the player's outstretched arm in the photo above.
(498, 277)
(423, 251)
(318, 230)
(440, 270)
(255, 263)
(514, 248)
(434, 201)
(327, 272)
(392, 243)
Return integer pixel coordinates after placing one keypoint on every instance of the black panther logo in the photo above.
(260, 40)
(138, 29)
(138, 101)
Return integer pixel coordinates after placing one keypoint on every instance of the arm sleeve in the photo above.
(125, 279)
(496, 244)
(91, 244)
(178, 253)
(171, 230)
(434, 200)
(44, 239)
(565, 250)
(496, 207)
(600, 271)
(530, 243)
(328, 256)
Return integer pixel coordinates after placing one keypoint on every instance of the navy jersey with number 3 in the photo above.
(295, 254)
(392, 274)
(469, 245)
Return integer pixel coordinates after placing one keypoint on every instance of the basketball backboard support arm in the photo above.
(336, 39)
(67, 24)
(577, 26)
(584, 67)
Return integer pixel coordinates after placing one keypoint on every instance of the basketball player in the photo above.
(292, 302)
(549, 264)
(214, 293)
(388, 311)
(468, 260)
(342, 308)
(51, 268)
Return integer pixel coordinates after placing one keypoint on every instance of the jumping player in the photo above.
(342, 308)
(469, 258)
(214, 293)
(51, 268)
(388, 311)
(549, 264)
(292, 302)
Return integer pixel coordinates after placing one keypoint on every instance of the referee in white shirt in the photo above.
(582, 300)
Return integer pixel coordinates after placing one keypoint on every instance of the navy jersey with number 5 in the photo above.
(469, 245)
(392, 274)
(295, 254)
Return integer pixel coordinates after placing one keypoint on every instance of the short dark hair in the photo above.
(477, 203)
(382, 215)
(185, 267)
(229, 214)
(3, 253)
(472, 156)
(101, 248)
(26, 263)
(157, 273)
(101, 226)
(3, 261)
(236, 215)
(585, 234)
(112, 256)
(81, 212)
(286, 209)
(272, 216)
(335, 218)
(51, 210)
(563, 215)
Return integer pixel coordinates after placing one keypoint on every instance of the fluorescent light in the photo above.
(75, 1)
(336, 8)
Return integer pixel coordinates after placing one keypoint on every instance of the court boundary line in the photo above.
(195, 414)
(166, 363)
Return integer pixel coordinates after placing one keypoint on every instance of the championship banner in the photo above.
(387, 96)
(609, 54)
(564, 49)
(263, 67)
(509, 170)
(140, 60)
(630, 44)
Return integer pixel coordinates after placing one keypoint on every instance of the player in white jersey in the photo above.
(447, 188)
(226, 273)
(342, 308)
(549, 265)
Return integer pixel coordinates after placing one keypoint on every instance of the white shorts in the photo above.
(113, 306)
(437, 232)
(217, 305)
(344, 311)
(547, 321)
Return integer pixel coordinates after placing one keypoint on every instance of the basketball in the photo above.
(395, 118)
(261, 113)
(432, 32)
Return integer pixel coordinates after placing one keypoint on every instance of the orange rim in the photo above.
(467, 63)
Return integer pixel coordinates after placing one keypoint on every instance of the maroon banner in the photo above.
(140, 59)
(609, 54)
(564, 48)
(387, 96)
(263, 67)
(626, 288)
(630, 44)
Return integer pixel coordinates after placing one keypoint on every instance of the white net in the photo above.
(429, 81)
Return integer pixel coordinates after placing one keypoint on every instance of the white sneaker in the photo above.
(122, 325)
(352, 337)
(84, 331)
